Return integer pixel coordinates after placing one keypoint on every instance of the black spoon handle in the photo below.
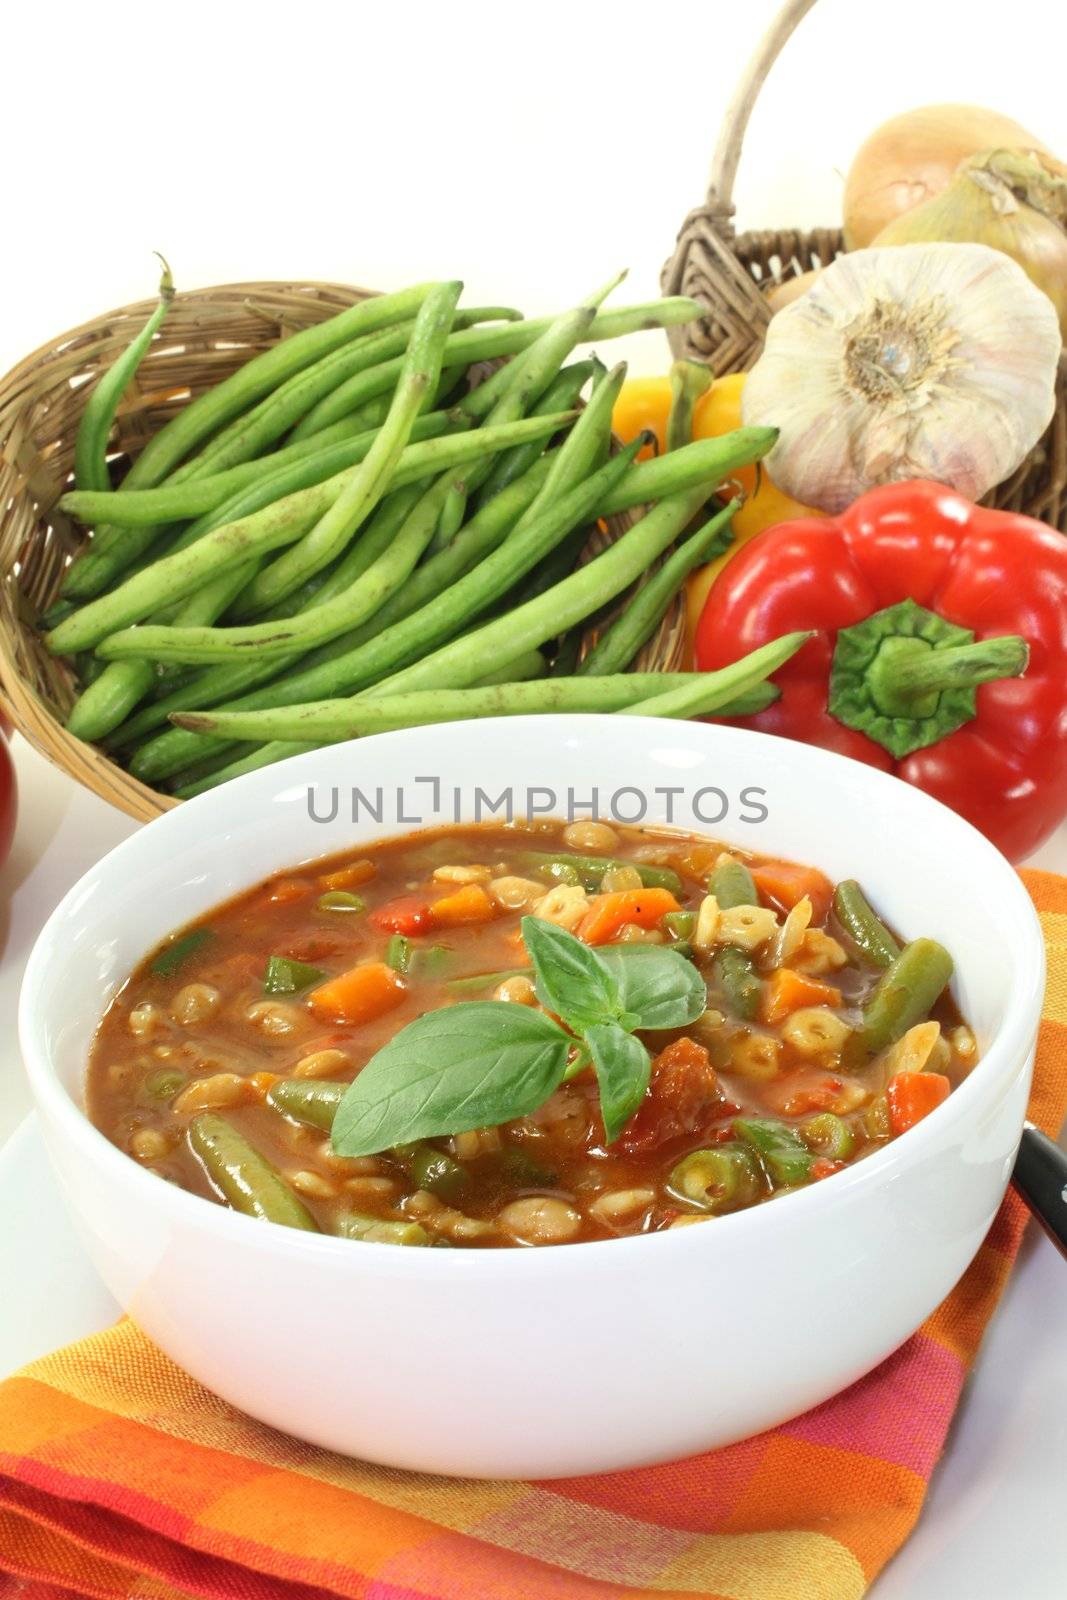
(1041, 1178)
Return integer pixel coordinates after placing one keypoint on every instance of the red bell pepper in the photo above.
(940, 652)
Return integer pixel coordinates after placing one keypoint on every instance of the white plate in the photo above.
(991, 1527)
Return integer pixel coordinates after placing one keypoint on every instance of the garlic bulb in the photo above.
(914, 361)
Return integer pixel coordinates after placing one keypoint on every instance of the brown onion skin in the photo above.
(913, 156)
(964, 214)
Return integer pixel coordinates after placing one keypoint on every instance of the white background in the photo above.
(529, 149)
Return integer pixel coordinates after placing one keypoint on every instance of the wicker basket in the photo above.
(730, 274)
(207, 335)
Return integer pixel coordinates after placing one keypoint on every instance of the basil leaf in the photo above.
(466, 1066)
(622, 1066)
(656, 985)
(572, 980)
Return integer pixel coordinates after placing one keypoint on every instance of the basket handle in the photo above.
(731, 137)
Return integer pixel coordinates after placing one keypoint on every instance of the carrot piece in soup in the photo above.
(285, 891)
(358, 995)
(912, 1096)
(468, 905)
(786, 991)
(349, 877)
(609, 913)
(786, 884)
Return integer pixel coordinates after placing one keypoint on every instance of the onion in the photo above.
(1008, 200)
(913, 156)
(790, 289)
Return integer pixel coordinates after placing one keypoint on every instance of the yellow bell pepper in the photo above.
(646, 403)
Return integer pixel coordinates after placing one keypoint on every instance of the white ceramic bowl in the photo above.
(586, 1357)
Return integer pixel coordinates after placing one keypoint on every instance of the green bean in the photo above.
(173, 756)
(283, 975)
(579, 453)
(421, 369)
(101, 709)
(689, 381)
(678, 470)
(567, 652)
(904, 993)
(173, 956)
(310, 1101)
(779, 1147)
(591, 869)
(736, 975)
(725, 1177)
(440, 619)
(163, 1084)
(619, 644)
(322, 457)
(262, 484)
(123, 684)
(560, 395)
(242, 1177)
(210, 411)
(368, 659)
(529, 377)
(733, 885)
(457, 664)
(262, 756)
(313, 1103)
(375, 539)
(477, 344)
(577, 456)
(863, 926)
(94, 429)
(398, 953)
(287, 520)
(165, 581)
(680, 924)
(482, 534)
(432, 1169)
(323, 621)
(341, 900)
(284, 521)
(521, 669)
(228, 399)
(329, 721)
(828, 1136)
(223, 683)
(479, 981)
(252, 433)
(719, 688)
(350, 672)
(280, 750)
(550, 570)
(383, 1230)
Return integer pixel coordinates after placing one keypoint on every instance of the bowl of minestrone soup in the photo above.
(537, 1096)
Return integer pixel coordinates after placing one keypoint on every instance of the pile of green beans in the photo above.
(350, 534)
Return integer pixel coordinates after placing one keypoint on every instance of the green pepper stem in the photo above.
(898, 678)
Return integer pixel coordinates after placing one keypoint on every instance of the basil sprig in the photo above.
(483, 1062)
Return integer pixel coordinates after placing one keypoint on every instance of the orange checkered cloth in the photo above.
(121, 1476)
